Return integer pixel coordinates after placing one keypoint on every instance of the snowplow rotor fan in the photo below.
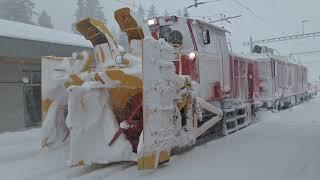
(94, 31)
(128, 24)
(130, 86)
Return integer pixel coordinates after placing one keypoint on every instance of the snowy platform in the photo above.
(282, 145)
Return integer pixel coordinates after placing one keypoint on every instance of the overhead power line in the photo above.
(305, 52)
(225, 19)
(256, 15)
(283, 38)
(294, 54)
(196, 4)
(245, 7)
(287, 20)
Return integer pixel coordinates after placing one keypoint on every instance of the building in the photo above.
(21, 49)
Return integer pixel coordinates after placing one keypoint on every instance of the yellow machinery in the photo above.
(112, 106)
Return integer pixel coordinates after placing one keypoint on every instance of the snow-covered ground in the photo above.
(283, 145)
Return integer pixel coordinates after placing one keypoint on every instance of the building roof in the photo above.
(36, 33)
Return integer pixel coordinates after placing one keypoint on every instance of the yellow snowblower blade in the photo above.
(94, 31)
(128, 24)
(130, 87)
(127, 111)
(150, 154)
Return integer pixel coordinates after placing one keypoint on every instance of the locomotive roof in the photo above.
(212, 25)
(200, 21)
(265, 56)
(269, 56)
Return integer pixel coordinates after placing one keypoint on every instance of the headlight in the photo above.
(192, 55)
(151, 22)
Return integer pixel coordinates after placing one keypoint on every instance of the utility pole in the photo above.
(222, 17)
(303, 22)
(196, 4)
(251, 44)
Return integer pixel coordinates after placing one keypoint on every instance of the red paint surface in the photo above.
(238, 68)
(133, 115)
(253, 78)
(188, 67)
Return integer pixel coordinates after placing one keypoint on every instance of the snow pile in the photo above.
(163, 90)
(92, 123)
(54, 75)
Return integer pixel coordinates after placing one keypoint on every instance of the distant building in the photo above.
(21, 49)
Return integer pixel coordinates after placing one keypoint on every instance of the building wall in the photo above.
(11, 107)
(21, 48)
(20, 103)
(11, 96)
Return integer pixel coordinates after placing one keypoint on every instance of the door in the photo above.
(32, 98)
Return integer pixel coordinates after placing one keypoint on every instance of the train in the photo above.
(260, 77)
(178, 84)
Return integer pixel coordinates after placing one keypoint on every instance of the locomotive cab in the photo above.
(201, 51)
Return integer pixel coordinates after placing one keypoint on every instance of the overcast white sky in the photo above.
(273, 18)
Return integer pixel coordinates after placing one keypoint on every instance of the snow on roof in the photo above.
(214, 26)
(200, 21)
(36, 33)
(269, 56)
(259, 56)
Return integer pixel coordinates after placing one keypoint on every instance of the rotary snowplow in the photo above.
(114, 106)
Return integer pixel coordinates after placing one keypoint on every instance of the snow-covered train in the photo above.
(177, 84)
(282, 83)
(261, 77)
